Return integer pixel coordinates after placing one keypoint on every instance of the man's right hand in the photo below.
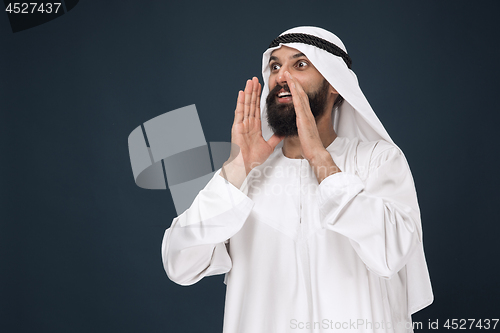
(248, 147)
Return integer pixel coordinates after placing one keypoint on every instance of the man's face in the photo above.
(280, 110)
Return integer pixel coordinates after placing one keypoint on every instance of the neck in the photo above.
(292, 147)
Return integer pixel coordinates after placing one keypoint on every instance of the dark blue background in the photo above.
(80, 242)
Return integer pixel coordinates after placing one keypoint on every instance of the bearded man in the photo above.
(314, 219)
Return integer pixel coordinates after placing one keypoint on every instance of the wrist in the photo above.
(321, 158)
(234, 171)
(323, 165)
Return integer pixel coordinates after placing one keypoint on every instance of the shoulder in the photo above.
(369, 155)
(377, 149)
(366, 150)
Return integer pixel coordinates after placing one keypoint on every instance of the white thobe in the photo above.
(303, 257)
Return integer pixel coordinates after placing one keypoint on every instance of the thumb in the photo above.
(274, 140)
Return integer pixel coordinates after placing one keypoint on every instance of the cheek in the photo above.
(309, 87)
(271, 82)
(307, 83)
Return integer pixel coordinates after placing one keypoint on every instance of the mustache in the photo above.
(278, 88)
(274, 91)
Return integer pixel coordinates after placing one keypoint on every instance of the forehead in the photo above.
(285, 52)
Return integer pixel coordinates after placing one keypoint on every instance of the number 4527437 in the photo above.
(32, 7)
(462, 324)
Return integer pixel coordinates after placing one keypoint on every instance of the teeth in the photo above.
(283, 94)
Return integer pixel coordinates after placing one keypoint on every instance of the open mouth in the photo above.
(284, 96)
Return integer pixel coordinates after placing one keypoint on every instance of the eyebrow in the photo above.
(297, 55)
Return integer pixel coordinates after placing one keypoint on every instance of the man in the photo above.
(316, 225)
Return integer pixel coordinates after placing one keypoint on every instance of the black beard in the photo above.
(282, 118)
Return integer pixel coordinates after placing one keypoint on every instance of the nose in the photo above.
(280, 78)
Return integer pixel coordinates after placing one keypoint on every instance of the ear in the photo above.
(333, 93)
(331, 90)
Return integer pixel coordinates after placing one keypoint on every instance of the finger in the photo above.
(253, 101)
(274, 140)
(299, 96)
(240, 105)
(248, 98)
(257, 109)
(293, 90)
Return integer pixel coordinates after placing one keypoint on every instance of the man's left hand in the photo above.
(310, 139)
(311, 145)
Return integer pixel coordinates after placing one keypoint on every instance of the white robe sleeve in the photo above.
(379, 214)
(194, 245)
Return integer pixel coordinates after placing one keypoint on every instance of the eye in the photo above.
(301, 64)
(275, 67)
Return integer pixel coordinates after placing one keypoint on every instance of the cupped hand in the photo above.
(247, 132)
(310, 139)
